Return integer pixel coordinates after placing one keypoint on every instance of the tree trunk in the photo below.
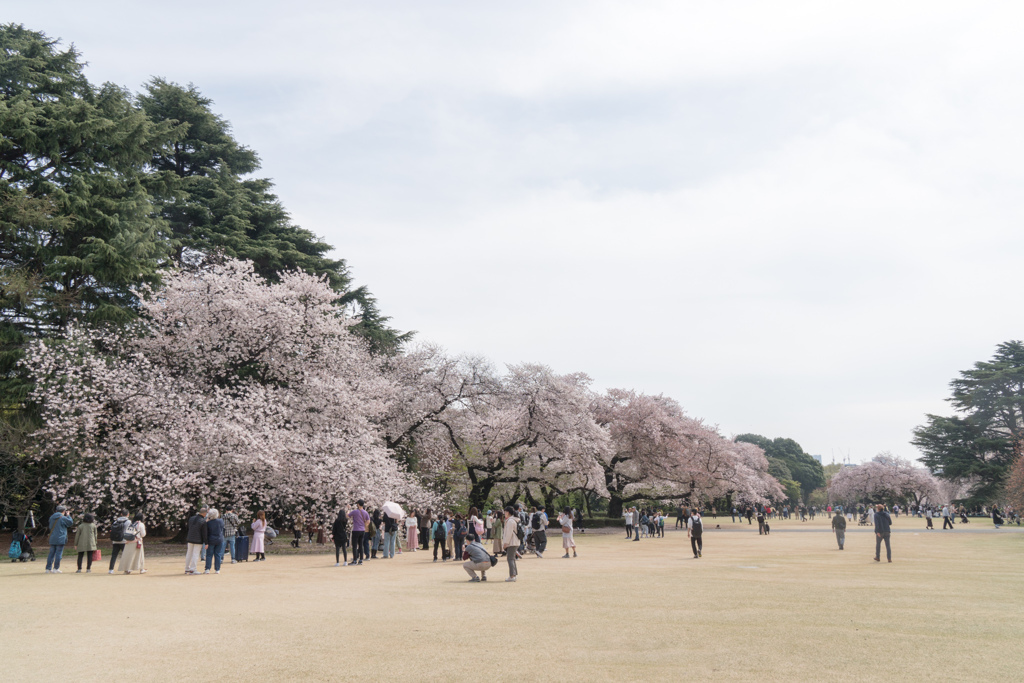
(614, 506)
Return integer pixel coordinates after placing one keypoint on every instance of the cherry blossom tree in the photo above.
(884, 479)
(232, 391)
(661, 453)
(526, 433)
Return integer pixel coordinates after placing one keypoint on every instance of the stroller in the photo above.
(863, 521)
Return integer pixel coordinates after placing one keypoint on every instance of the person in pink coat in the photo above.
(258, 528)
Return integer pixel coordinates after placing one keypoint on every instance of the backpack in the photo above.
(535, 522)
(439, 534)
(520, 532)
(129, 533)
(15, 552)
(117, 531)
(698, 526)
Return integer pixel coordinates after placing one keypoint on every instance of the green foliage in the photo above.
(77, 224)
(787, 462)
(981, 443)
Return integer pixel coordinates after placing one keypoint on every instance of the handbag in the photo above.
(96, 555)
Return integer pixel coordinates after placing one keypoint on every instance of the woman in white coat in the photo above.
(134, 557)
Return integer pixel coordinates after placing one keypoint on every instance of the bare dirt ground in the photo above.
(787, 607)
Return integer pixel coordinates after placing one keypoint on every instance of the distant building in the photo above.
(818, 458)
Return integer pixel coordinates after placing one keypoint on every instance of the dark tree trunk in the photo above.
(614, 506)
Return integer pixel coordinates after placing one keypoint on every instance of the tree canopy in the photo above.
(787, 461)
(979, 445)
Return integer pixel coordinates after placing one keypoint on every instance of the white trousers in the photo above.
(192, 556)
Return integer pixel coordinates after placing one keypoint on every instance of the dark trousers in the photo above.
(540, 540)
(697, 544)
(338, 551)
(760, 527)
(425, 537)
(947, 523)
(629, 531)
(115, 550)
(878, 545)
(929, 520)
(88, 559)
(357, 545)
(438, 543)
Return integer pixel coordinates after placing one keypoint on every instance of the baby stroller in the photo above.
(863, 520)
(531, 544)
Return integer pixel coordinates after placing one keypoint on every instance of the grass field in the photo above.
(788, 607)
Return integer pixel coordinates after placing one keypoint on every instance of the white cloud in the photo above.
(800, 219)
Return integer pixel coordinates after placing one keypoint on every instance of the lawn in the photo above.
(787, 607)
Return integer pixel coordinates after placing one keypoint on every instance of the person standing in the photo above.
(439, 532)
(565, 519)
(839, 526)
(231, 524)
(259, 529)
(883, 526)
(85, 542)
(359, 518)
(60, 522)
(636, 524)
(425, 520)
(928, 519)
(479, 559)
(946, 520)
(510, 539)
(195, 539)
(339, 531)
(695, 530)
(134, 557)
(214, 541)
(411, 531)
(629, 523)
(117, 538)
(760, 522)
(390, 536)
(539, 522)
(497, 547)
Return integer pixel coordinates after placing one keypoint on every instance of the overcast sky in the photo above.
(798, 219)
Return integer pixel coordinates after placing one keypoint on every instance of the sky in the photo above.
(798, 219)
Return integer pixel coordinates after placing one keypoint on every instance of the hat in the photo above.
(61, 508)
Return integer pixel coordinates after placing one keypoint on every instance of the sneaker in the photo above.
(574, 553)
(700, 553)
(566, 556)
(540, 556)
(483, 578)
(217, 572)
(360, 562)
(475, 579)
(207, 571)
(111, 571)
(79, 571)
(88, 571)
(435, 559)
(510, 579)
(345, 564)
(233, 561)
(57, 571)
(337, 564)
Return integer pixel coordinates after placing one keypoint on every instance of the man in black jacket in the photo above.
(883, 525)
(196, 539)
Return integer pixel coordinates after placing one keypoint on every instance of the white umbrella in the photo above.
(393, 510)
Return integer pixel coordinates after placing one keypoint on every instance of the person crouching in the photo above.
(479, 559)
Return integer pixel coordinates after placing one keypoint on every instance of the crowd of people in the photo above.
(513, 532)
